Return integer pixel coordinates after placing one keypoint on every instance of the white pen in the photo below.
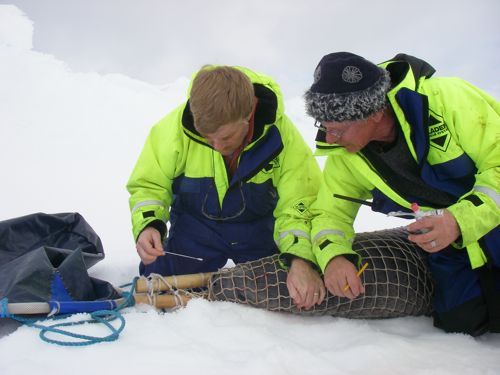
(184, 256)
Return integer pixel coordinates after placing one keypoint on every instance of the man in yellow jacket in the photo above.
(234, 178)
(397, 136)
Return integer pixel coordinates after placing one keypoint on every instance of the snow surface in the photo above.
(68, 143)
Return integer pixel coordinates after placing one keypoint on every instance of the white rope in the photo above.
(155, 282)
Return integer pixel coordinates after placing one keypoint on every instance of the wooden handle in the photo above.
(163, 301)
(194, 280)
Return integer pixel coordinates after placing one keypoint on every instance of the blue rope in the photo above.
(104, 317)
(101, 316)
(4, 310)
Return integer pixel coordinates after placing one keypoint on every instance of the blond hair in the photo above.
(219, 96)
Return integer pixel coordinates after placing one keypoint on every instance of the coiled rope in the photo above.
(104, 317)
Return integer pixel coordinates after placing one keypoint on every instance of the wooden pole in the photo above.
(164, 301)
(166, 283)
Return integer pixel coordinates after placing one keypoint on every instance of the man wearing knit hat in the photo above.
(397, 136)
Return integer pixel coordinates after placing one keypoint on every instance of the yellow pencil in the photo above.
(361, 270)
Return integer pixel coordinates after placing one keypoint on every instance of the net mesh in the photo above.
(397, 282)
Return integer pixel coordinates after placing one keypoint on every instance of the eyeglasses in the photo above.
(224, 218)
(336, 133)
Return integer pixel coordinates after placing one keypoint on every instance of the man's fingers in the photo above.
(157, 243)
(353, 285)
(150, 248)
(310, 299)
(305, 298)
(319, 296)
(312, 296)
(305, 285)
(145, 257)
(150, 241)
(425, 222)
(322, 295)
(336, 287)
(432, 246)
(347, 292)
(423, 238)
(294, 294)
(348, 289)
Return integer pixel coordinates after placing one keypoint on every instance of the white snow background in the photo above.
(68, 141)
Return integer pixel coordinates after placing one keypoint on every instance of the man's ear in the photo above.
(377, 116)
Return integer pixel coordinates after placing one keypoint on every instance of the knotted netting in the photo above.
(397, 282)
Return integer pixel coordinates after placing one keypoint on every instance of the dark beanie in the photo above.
(346, 87)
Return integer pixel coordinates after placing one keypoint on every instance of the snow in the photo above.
(69, 141)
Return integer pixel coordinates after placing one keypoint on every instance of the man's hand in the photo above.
(304, 284)
(441, 231)
(149, 245)
(340, 272)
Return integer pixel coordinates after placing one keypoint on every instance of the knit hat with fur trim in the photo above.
(346, 88)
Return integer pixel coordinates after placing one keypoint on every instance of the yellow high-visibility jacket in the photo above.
(180, 178)
(452, 130)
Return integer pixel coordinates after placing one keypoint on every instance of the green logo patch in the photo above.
(301, 208)
(439, 134)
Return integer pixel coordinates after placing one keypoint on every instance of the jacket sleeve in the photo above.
(475, 117)
(150, 184)
(332, 226)
(299, 178)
